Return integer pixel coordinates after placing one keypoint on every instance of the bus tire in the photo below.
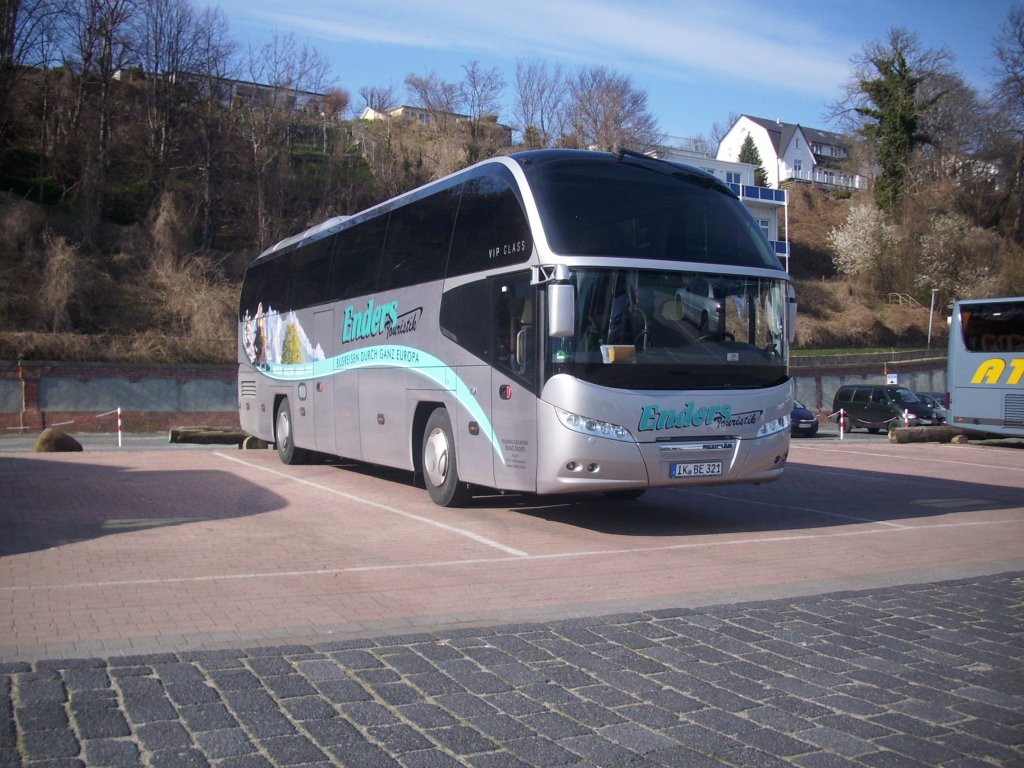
(284, 437)
(440, 468)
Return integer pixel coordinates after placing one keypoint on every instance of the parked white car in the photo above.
(700, 304)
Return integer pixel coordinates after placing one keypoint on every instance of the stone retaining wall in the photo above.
(158, 397)
(81, 396)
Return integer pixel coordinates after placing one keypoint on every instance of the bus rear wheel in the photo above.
(440, 468)
(284, 438)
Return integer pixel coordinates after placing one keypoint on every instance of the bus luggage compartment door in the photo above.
(323, 389)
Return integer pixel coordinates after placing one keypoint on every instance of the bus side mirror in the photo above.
(561, 310)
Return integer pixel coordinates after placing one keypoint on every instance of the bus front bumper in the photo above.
(571, 462)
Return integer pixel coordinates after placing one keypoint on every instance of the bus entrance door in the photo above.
(513, 404)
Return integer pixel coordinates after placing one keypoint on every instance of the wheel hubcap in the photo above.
(435, 457)
(284, 429)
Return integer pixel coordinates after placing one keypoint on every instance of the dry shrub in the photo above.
(838, 313)
(61, 280)
(21, 225)
(196, 303)
(170, 232)
(21, 259)
(105, 348)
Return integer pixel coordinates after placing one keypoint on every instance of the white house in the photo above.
(424, 117)
(764, 204)
(792, 152)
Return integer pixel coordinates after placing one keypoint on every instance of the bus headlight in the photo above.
(774, 426)
(593, 427)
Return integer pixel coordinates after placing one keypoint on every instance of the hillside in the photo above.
(833, 311)
(60, 303)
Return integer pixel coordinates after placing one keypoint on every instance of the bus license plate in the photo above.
(699, 469)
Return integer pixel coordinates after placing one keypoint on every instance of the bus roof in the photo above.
(528, 161)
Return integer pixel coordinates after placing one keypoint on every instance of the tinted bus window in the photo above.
(621, 209)
(357, 259)
(416, 246)
(265, 283)
(491, 230)
(310, 267)
(466, 318)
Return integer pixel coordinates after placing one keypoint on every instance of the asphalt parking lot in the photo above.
(214, 607)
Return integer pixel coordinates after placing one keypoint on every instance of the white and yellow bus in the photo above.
(528, 324)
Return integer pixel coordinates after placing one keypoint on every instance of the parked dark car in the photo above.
(802, 423)
(937, 402)
(880, 407)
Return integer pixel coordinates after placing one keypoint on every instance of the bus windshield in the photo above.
(634, 211)
(650, 329)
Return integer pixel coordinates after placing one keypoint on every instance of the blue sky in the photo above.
(698, 60)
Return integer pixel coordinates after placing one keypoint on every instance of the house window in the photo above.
(734, 177)
(763, 223)
(797, 166)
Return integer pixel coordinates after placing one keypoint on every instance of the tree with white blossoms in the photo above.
(865, 246)
(958, 259)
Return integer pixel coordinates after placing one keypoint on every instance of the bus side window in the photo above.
(418, 239)
(356, 259)
(491, 229)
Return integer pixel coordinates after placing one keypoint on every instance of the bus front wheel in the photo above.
(284, 437)
(440, 468)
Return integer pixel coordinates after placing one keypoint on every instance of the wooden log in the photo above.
(207, 435)
(937, 434)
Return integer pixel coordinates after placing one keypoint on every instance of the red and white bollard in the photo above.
(842, 423)
(118, 427)
(906, 417)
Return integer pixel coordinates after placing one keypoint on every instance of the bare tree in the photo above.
(169, 38)
(479, 93)
(280, 69)
(606, 112)
(438, 97)
(1009, 97)
(538, 103)
(28, 33)
(101, 41)
(380, 99)
(213, 119)
(719, 130)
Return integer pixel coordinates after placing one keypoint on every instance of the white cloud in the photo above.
(667, 38)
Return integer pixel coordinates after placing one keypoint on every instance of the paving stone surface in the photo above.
(920, 675)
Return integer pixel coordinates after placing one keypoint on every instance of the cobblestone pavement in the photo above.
(929, 674)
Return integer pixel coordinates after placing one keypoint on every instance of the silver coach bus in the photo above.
(985, 375)
(547, 322)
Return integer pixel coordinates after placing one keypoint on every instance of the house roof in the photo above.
(781, 134)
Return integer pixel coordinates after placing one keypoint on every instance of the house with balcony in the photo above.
(794, 153)
(766, 205)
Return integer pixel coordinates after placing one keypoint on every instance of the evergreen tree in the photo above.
(749, 154)
(887, 92)
(292, 352)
